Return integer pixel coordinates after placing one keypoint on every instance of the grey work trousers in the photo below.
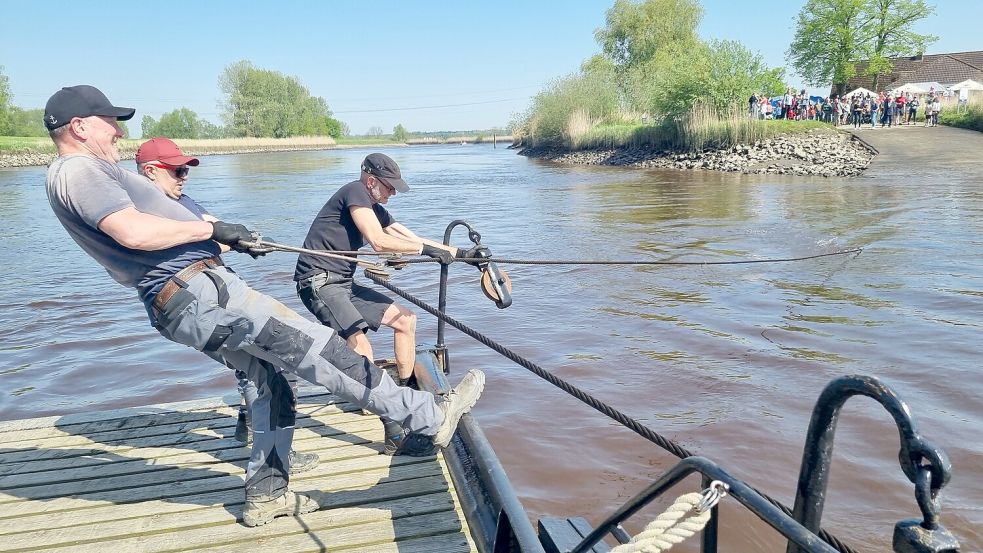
(218, 314)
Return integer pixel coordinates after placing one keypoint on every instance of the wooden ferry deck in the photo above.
(170, 478)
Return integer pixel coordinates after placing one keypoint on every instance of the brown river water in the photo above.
(725, 359)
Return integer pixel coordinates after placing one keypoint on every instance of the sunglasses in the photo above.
(392, 191)
(179, 172)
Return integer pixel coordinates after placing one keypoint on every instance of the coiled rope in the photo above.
(681, 520)
(630, 423)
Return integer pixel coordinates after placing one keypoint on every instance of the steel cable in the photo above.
(399, 261)
(640, 429)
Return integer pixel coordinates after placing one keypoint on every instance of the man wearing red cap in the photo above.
(162, 161)
(148, 241)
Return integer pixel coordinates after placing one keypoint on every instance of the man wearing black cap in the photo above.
(353, 217)
(150, 242)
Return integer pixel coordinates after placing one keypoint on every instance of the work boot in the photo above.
(302, 462)
(242, 434)
(258, 512)
(460, 400)
(400, 442)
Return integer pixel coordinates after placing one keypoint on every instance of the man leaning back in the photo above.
(147, 241)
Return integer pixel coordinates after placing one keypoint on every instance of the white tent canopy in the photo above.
(860, 91)
(968, 84)
(912, 88)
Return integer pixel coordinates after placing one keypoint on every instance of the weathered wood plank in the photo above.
(360, 441)
(59, 437)
(193, 440)
(312, 396)
(186, 490)
(312, 532)
(383, 501)
(366, 481)
(169, 478)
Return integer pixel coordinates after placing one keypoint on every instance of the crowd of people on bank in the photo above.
(856, 109)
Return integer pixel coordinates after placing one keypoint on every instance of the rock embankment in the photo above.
(817, 153)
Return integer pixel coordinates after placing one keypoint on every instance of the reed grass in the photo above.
(700, 129)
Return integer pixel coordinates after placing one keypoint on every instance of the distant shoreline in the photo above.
(44, 153)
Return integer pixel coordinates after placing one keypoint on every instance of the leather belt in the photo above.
(184, 275)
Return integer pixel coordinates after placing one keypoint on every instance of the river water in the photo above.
(725, 359)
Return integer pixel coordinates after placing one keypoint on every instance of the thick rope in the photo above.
(680, 521)
(628, 422)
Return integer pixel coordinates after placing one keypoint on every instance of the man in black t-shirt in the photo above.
(353, 217)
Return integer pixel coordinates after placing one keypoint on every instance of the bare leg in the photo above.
(403, 323)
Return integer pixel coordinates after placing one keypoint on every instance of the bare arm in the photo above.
(141, 231)
(380, 240)
(400, 231)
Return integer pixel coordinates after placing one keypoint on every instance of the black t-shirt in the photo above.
(334, 229)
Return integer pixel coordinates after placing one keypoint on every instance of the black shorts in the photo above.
(342, 304)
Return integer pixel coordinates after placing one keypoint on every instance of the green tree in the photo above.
(208, 129)
(828, 41)
(180, 123)
(266, 103)
(832, 36)
(399, 133)
(25, 122)
(5, 125)
(148, 127)
(735, 73)
(891, 34)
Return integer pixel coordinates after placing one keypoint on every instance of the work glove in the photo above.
(233, 235)
(477, 252)
(230, 234)
(440, 254)
(255, 251)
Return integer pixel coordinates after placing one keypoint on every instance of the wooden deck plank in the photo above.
(398, 499)
(362, 434)
(169, 478)
(214, 421)
(188, 439)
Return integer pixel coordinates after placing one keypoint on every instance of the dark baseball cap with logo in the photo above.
(385, 169)
(80, 101)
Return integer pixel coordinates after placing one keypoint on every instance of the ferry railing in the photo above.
(925, 465)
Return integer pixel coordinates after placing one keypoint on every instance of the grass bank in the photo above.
(968, 117)
(700, 129)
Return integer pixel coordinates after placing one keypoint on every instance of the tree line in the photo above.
(653, 68)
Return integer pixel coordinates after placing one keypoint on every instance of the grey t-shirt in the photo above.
(334, 229)
(83, 190)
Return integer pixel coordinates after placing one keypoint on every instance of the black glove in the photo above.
(441, 254)
(255, 251)
(230, 234)
(476, 252)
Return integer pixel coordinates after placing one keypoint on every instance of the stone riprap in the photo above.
(817, 153)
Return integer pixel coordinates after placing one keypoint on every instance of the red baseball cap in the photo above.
(163, 150)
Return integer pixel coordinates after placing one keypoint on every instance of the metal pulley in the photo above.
(496, 285)
(495, 282)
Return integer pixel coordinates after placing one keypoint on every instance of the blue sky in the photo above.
(377, 63)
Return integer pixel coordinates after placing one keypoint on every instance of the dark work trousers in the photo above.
(216, 313)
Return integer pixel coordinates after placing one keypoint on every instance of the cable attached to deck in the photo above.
(640, 429)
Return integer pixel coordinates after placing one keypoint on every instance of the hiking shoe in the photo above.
(242, 427)
(260, 512)
(460, 400)
(302, 462)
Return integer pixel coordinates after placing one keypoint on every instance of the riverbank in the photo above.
(26, 152)
(821, 152)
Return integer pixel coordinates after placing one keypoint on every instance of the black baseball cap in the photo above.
(80, 101)
(385, 169)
